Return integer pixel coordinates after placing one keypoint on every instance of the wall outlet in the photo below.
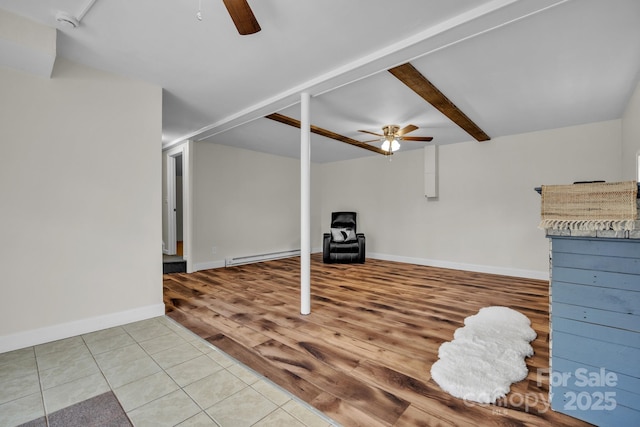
(214, 249)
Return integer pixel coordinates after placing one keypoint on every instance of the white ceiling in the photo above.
(512, 66)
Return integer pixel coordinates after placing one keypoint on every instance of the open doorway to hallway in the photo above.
(173, 257)
(179, 206)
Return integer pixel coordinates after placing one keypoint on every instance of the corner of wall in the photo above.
(631, 136)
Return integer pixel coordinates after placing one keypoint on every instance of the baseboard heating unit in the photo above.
(230, 262)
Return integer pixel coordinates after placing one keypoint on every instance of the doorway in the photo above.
(179, 206)
(176, 218)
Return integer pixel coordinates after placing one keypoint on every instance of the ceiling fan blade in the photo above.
(417, 138)
(411, 77)
(326, 133)
(405, 130)
(372, 133)
(242, 16)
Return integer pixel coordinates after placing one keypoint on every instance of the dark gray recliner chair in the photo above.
(343, 244)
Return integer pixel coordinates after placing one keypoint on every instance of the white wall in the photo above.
(245, 203)
(487, 213)
(80, 184)
(631, 136)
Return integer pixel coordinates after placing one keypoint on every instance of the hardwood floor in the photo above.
(363, 355)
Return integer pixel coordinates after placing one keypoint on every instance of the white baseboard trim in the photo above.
(77, 327)
(250, 259)
(208, 265)
(504, 271)
(221, 263)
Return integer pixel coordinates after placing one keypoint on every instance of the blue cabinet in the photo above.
(595, 329)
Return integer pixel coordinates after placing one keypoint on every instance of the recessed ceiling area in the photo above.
(512, 66)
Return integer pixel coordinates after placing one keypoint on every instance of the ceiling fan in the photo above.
(242, 16)
(392, 134)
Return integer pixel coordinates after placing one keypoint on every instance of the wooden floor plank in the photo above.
(381, 404)
(413, 417)
(363, 355)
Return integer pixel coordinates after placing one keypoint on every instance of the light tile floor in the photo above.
(161, 373)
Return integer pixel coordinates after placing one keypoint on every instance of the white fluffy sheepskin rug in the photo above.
(486, 356)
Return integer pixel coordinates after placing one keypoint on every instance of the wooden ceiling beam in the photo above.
(411, 77)
(326, 133)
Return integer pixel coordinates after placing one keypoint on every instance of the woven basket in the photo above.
(590, 206)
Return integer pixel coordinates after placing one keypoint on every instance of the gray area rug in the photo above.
(101, 411)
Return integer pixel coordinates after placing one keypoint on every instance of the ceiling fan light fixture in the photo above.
(391, 137)
(390, 143)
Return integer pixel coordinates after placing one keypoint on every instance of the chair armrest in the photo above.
(326, 240)
(361, 247)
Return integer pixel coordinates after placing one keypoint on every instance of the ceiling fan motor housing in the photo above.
(390, 130)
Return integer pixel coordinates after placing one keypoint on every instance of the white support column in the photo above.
(305, 205)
